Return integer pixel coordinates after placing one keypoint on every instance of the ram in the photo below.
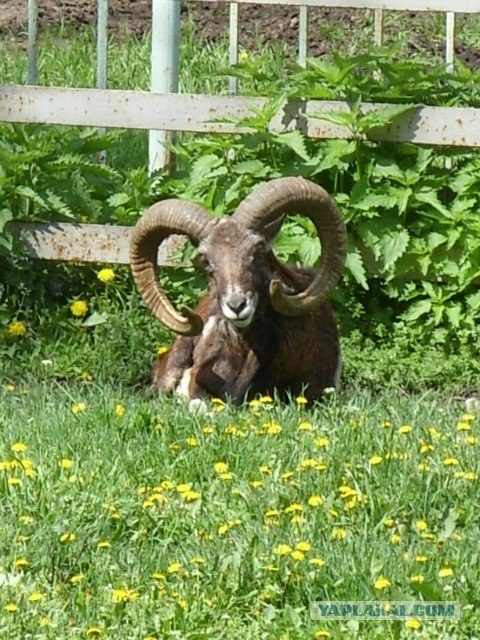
(263, 326)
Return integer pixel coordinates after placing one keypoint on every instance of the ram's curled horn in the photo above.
(283, 196)
(157, 223)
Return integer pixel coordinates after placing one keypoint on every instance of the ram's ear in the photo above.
(272, 229)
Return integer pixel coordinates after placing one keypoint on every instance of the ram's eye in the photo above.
(203, 262)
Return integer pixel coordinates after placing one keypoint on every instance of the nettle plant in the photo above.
(412, 211)
(414, 236)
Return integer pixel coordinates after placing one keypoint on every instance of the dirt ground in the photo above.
(259, 24)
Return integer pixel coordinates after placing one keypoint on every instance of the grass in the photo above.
(134, 518)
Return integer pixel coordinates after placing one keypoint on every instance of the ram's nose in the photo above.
(237, 303)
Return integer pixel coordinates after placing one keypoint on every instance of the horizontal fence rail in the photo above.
(67, 242)
(454, 126)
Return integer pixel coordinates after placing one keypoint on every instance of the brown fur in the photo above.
(287, 354)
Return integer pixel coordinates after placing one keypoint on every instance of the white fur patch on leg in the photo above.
(183, 387)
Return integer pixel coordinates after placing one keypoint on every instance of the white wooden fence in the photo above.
(166, 111)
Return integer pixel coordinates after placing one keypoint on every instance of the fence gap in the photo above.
(302, 35)
(32, 76)
(165, 65)
(233, 45)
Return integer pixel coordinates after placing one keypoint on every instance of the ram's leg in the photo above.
(172, 368)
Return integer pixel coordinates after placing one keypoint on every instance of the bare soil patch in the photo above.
(260, 25)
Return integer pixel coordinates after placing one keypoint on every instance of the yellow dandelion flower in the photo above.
(382, 583)
(16, 328)
(445, 572)
(317, 562)
(427, 535)
(301, 400)
(266, 399)
(305, 426)
(66, 463)
(471, 440)
(272, 428)
(347, 492)
(424, 467)
(322, 633)
(161, 350)
(418, 578)
(68, 537)
(36, 596)
(389, 522)
(315, 501)
(303, 545)
(450, 462)
(221, 467)
(395, 538)
(256, 484)
(191, 496)
(421, 525)
(413, 624)
(158, 575)
(421, 559)
(297, 555)
(104, 544)
(434, 433)
(375, 460)
(174, 567)
(124, 595)
(94, 632)
(404, 429)
(295, 507)
(266, 469)
(79, 577)
(119, 410)
(26, 519)
(21, 563)
(282, 550)
(322, 442)
(339, 533)
(426, 447)
(106, 275)
(11, 608)
(184, 487)
(79, 407)
(463, 425)
(192, 441)
(197, 560)
(18, 447)
(9, 387)
(79, 308)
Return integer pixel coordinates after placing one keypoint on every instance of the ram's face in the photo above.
(235, 260)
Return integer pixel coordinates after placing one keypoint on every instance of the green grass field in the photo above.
(126, 517)
(132, 518)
